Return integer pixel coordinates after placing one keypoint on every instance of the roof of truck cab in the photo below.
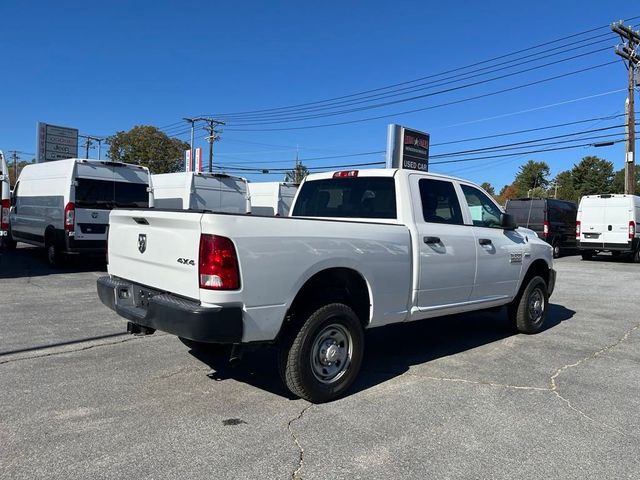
(382, 172)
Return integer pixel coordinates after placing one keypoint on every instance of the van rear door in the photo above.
(102, 186)
(591, 215)
(617, 214)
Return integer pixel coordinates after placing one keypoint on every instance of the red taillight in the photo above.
(632, 229)
(578, 229)
(346, 174)
(70, 217)
(5, 205)
(545, 229)
(218, 264)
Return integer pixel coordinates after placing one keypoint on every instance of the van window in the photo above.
(106, 194)
(354, 197)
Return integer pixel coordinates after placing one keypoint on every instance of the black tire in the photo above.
(529, 310)
(8, 243)
(54, 254)
(586, 255)
(203, 347)
(557, 252)
(320, 360)
(635, 258)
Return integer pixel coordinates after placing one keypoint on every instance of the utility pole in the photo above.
(14, 157)
(99, 140)
(212, 137)
(629, 52)
(192, 121)
(89, 139)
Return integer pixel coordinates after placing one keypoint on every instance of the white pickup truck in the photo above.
(360, 249)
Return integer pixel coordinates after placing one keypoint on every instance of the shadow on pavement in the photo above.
(32, 262)
(389, 351)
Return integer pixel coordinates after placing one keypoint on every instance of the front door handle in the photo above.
(484, 241)
(431, 240)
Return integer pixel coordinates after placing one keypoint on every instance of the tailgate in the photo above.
(156, 248)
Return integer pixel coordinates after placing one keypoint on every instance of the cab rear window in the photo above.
(106, 194)
(355, 197)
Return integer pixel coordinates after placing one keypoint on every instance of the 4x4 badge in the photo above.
(142, 242)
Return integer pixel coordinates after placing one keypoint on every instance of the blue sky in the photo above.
(107, 66)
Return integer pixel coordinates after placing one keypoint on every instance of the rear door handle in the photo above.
(431, 240)
(484, 241)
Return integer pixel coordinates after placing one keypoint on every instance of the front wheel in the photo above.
(320, 361)
(529, 310)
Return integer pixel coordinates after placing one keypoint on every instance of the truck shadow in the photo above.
(32, 262)
(389, 351)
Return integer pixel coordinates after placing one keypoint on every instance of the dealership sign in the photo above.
(407, 149)
(56, 143)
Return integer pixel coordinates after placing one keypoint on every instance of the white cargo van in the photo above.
(64, 205)
(201, 191)
(5, 197)
(609, 223)
(272, 198)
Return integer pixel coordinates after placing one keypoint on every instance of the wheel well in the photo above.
(539, 268)
(341, 285)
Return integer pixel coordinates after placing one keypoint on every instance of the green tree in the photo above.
(592, 175)
(532, 175)
(617, 185)
(562, 187)
(298, 173)
(488, 188)
(148, 146)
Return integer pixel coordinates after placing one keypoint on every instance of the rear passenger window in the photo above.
(484, 212)
(439, 202)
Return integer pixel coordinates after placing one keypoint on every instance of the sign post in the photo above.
(407, 149)
(187, 160)
(56, 143)
(198, 167)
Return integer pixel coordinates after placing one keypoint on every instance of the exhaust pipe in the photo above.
(236, 355)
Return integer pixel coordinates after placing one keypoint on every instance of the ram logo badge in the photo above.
(516, 258)
(186, 261)
(142, 242)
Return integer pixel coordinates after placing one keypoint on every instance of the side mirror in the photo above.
(508, 222)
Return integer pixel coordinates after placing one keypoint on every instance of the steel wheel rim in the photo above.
(331, 353)
(536, 305)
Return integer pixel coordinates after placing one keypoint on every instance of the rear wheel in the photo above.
(556, 249)
(635, 258)
(8, 242)
(54, 253)
(320, 361)
(529, 310)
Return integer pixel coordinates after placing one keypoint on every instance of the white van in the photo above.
(201, 191)
(64, 205)
(272, 198)
(609, 223)
(5, 197)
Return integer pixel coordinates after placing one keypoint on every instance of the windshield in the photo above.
(107, 194)
(353, 197)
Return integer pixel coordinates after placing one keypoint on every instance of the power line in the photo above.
(431, 107)
(457, 69)
(276, 120)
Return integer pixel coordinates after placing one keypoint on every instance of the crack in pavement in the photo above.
(295, 475)
(86, 347)
(553, 388)
(554, 385)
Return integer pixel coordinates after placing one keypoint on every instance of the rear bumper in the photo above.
(631, 246)
(171, 314)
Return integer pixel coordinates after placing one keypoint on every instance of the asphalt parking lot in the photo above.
(451, 398)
